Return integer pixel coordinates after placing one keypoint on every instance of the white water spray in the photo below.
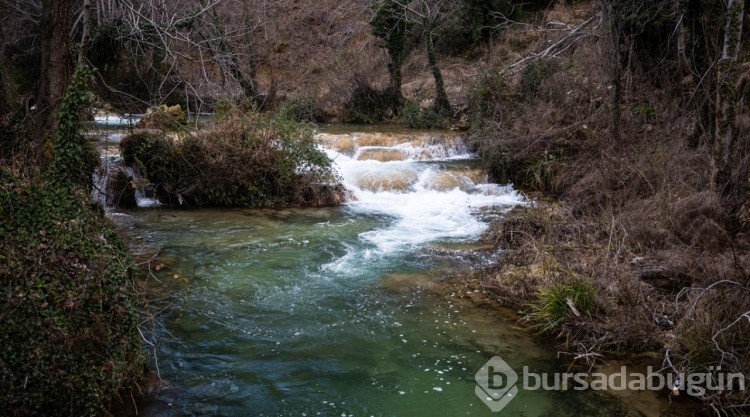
(420, 182)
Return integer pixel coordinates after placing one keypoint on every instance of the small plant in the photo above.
(223, 108)
(645, 110)
(163, 117)
(541, 172)
(491, 98)
(558, 300)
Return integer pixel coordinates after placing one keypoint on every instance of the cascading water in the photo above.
(335, 311)
(110, 164)
(417, 180)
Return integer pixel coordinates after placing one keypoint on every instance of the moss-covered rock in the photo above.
(68, 318)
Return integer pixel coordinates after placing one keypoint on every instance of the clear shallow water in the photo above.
(334, 312)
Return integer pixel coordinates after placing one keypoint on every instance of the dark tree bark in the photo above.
(616, 33)
(390, 24)
(442, 104)
(729, 162)
(56, 63)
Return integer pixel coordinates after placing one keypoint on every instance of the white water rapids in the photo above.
(424, 181)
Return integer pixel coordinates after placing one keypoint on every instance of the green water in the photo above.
(292, 313)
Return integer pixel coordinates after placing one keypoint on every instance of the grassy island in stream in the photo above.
(242, 160)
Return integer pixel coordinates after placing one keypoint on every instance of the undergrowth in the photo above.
(68, 319)
(666, 260)
(69, 316)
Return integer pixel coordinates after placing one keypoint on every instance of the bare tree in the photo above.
(432, 11)
(428, 15)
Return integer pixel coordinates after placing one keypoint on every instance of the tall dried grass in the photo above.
(637, 217)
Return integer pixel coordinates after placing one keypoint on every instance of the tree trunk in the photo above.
(729, 162)
(85, 32)
(390, 24)
(395, 97)
(55, 66)
(442, 104)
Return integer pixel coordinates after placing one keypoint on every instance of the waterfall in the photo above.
(111, 165)
(425, 182)
(141, 194)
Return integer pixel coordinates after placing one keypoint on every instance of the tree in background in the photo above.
(431, 14)
(392, 21)
(144, 52)
(390, 24)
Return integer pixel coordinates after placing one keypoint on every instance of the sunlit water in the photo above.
(335, 312)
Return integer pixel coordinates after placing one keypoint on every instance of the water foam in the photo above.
(424, 199)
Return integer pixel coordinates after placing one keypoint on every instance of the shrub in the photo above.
(366, 105)
(302, 110)
(534, 75)
(244, 160)
(491, 99)
(413, 115)
(163, 117)
(68, 334)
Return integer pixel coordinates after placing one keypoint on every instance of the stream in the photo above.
(340, 311)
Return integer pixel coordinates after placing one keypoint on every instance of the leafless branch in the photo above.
(560, 46)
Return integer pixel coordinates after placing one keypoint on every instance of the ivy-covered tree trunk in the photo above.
(730, 154)
(74, 159)
(56, 63)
